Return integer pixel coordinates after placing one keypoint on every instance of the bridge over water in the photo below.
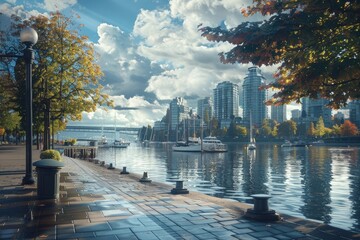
(104, 129)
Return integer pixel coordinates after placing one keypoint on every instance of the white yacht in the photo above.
(212, 144)
(120, 144)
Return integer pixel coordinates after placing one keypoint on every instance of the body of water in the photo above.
(319, 182)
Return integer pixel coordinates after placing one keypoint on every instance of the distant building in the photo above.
(226, 102)
(354, 107)
(204, 107)
(316, 108)
(339, 118)
(159, 126)
(178, 111)
(278, 113)
(254, 98)
(295, 114)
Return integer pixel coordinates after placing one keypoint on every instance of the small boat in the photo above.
(299, 143)
(103, 140)
(251, 145)
(287, 143)
(212, 144)
(192, 145)
(120, 144)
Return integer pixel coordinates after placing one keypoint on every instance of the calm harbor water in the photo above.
(319, 182)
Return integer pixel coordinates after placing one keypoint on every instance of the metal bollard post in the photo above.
(145, 178)
(179, 188)
(124, 171)
(261, 209)
(111, 166)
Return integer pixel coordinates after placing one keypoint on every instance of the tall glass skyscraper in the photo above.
(226, 102)
(278, 113)
(179, 110)
(204, 107)
(316, 108)
(254, 98)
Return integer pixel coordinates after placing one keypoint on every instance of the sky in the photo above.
(150, 51)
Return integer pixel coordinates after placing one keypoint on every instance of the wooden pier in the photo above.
(82, 152)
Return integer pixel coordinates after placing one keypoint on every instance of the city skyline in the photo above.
(150, 51)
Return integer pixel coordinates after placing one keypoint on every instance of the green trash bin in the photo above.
(48, 178)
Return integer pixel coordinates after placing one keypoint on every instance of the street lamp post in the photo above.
(29, 37)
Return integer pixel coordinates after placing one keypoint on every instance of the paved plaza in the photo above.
(98, 203)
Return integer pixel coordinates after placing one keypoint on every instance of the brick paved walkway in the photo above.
(99, 203)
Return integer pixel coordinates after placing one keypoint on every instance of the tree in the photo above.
(214, 126)
(320, 127)
(349, 129)
(65, 76)
(311, 130)
(287, 129)
(266, 128)
(315, 44)
(336, 130)
(240, 131)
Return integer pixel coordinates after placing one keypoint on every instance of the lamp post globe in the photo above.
(29, 37)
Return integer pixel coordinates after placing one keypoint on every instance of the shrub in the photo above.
(70, 142)
(50, 154)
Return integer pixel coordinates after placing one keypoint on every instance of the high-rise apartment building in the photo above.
(204, 108)
(278, 113)
(354, 107)
(253, 97)
(226, 102)
(295, 114)
(316, 108)
(178, 111)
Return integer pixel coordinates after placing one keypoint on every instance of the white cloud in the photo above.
(56, 5)
(146, 113)
(172, 37)
(126, 72)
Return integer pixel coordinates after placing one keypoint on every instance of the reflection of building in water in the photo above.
(278, 169)
(316, 174)
(255, 168)
(354, 189)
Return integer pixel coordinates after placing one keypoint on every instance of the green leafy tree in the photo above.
(311, 130)
(320, 127)
(266, 130)
(214, 126)
(287, 129)
(66, 76)
(240, 131)
(315, 44)
(336, 130)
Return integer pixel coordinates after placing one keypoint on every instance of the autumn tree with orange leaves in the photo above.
(315, 45)
(348, 129)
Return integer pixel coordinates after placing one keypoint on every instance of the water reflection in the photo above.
(316, 179)
(317, 182)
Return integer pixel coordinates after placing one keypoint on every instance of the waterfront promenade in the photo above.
(98, 203)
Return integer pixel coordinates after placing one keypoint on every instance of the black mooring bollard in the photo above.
(111, 166)
(124, 171)
(261, 211)
(145, 178)
(179, 188)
